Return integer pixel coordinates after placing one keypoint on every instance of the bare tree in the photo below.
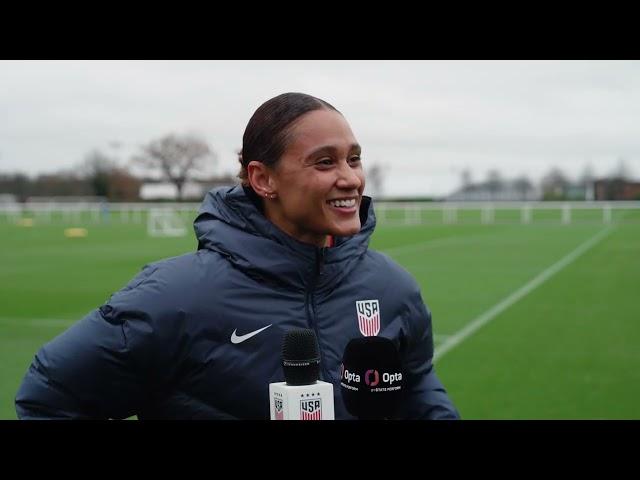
(587, 176)
(622, 171)
(466, 178)
(62, 183)
(494, 182)
(123, 186)
(18, 184)
(554, 185)
(96, 168)
(375, 180)
(175, 157)
(523, 186)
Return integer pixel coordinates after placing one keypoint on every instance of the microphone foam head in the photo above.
(300, 357)
(371, 378)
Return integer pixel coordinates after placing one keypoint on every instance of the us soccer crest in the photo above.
(311, 409)
(278, 407)
(368, 317)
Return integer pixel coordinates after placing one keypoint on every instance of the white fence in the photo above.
(388, 213)
(419, 213)
(87, 212)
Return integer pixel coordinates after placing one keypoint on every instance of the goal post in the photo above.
(164, 222)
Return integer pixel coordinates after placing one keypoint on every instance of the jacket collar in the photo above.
(230, 222)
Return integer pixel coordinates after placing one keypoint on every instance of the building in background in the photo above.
(193, 190)
(490, 191)
(616, 189)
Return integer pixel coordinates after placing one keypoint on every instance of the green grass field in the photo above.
(566, 348)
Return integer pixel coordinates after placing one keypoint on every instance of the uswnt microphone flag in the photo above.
(311, 409)
(279, 414)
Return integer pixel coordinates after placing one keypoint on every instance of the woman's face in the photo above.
(318, 180)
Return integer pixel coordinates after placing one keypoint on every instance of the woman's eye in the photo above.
(324, 162)
(355, 159)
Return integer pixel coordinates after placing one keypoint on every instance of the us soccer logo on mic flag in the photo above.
(311, 409)
(368, 317)
(278, 408)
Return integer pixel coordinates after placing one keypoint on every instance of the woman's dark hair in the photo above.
(266, 136)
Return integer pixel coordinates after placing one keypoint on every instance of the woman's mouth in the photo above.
(344, 205)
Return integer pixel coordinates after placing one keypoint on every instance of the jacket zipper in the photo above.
(310, 304)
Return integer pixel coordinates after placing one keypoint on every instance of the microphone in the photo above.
(371, 378)
(301, 396)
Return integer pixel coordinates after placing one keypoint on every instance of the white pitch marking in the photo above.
(501, 306)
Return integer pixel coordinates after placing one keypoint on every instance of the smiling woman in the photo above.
(200, 335)
(314, 187)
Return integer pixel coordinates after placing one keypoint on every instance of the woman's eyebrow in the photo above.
(332, 149)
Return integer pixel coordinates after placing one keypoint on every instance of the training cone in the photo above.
(75, 232)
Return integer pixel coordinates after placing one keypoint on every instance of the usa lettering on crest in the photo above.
(368, 317)
(278, 407)
(311, 409)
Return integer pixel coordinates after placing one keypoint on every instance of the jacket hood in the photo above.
(231, 223)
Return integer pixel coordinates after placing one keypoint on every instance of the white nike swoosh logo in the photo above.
(241, 338)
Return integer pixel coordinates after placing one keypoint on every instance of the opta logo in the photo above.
(350, 376)
(278, 407)
(372, 378)
(391, 377)
(368, 317)
(311, 409)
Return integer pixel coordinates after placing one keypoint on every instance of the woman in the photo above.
(199, 335)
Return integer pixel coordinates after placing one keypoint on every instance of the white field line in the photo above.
(501, 306)
(439, 337)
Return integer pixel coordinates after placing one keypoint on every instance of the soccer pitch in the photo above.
(531, 321)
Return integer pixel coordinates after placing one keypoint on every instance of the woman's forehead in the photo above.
(320, 130)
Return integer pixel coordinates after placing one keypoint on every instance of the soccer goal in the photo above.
(162, 222)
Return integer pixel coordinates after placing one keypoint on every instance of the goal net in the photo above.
(165, 223)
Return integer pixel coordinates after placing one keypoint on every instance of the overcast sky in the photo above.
(423, 121)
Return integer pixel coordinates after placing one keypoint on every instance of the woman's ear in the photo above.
(261, 179)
